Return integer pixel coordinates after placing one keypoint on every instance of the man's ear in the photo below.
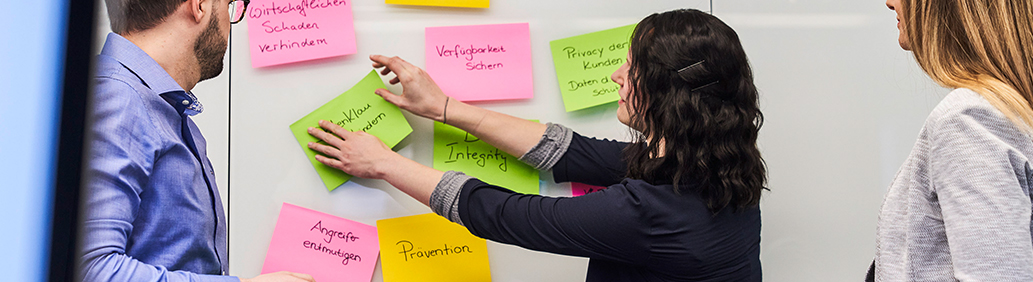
(198, 8)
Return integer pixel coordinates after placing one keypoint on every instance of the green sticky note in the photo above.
(584, 64)
(454, 149)
(358, 109)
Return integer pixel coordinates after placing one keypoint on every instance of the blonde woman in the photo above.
(959, 209)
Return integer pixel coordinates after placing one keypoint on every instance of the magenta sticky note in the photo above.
(327, 247)
(578, 189)
(481, 62)
(287, 31)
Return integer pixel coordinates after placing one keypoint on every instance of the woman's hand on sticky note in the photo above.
(356, 153)
(420, 95)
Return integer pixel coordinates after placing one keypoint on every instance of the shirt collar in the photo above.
(149, 71)
(184, 102)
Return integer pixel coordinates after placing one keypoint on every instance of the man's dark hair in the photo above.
(128, 16)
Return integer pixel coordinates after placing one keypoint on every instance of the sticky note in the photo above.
(430, 248)
(454, 149)
(584, 64)
(287, 31)
(578, 189)
(358, 109)
(481, 62)
(327, 247)
(442, 3)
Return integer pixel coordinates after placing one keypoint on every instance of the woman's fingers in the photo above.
(337, 130)
(303, 276)
(325, 149)
(376, 64)
(326, 137)
(391, 98)
(396, 64)
(331, 162)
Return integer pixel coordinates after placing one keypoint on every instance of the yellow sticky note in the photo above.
(430, 248)
(442, 3)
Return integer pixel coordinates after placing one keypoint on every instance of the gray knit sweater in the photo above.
(960, 209)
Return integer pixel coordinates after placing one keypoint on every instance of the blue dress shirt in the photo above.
(153, 211)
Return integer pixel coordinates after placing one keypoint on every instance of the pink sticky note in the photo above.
(327, 247)
(578, 189)
(481, 62)
(286, 31)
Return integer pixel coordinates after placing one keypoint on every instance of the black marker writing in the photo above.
(574, 53)
(352, 114)
(605, 90)
(291, 45)
(374, 121)
(444, 51)
(575, 85)
(301, 7)
(319, 247)
(269, 27)
(606, 63)
(409, 253)
(330, 233)
(482, 66)
(480, 158)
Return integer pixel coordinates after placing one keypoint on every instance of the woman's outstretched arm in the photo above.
(421, 96)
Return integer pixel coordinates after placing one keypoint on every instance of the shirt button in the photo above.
(185, 102)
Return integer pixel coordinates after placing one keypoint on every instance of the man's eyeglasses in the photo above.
(237, 8)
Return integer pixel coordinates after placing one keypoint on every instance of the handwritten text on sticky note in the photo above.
(358, 109)
(430, 248)
(481, 62)
(578, 189)
(442, 3)
(287, 31)
(327, 247)
(454, 149)
(584, 64)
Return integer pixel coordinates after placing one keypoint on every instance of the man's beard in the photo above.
(209, 49)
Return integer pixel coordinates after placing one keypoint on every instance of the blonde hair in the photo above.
(982, 45)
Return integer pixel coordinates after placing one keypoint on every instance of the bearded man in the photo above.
(152, 209)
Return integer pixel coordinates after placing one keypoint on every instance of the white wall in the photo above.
(269, 168)
(843, 106)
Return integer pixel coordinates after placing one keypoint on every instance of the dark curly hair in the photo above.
(693, 95)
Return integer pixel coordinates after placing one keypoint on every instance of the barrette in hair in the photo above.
(686, 72)
(701, 87)
(682, 72)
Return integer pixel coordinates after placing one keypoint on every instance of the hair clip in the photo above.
(686, 74)
(705, 85)
(681, 72)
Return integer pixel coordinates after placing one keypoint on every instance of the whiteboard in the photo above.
(843, 107)
(269, 168)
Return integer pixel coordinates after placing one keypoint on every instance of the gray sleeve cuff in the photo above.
(550, 148)
(445, 198)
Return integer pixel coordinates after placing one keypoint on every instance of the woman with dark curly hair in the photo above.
(682, 202)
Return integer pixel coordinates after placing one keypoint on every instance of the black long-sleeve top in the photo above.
(632, 231)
